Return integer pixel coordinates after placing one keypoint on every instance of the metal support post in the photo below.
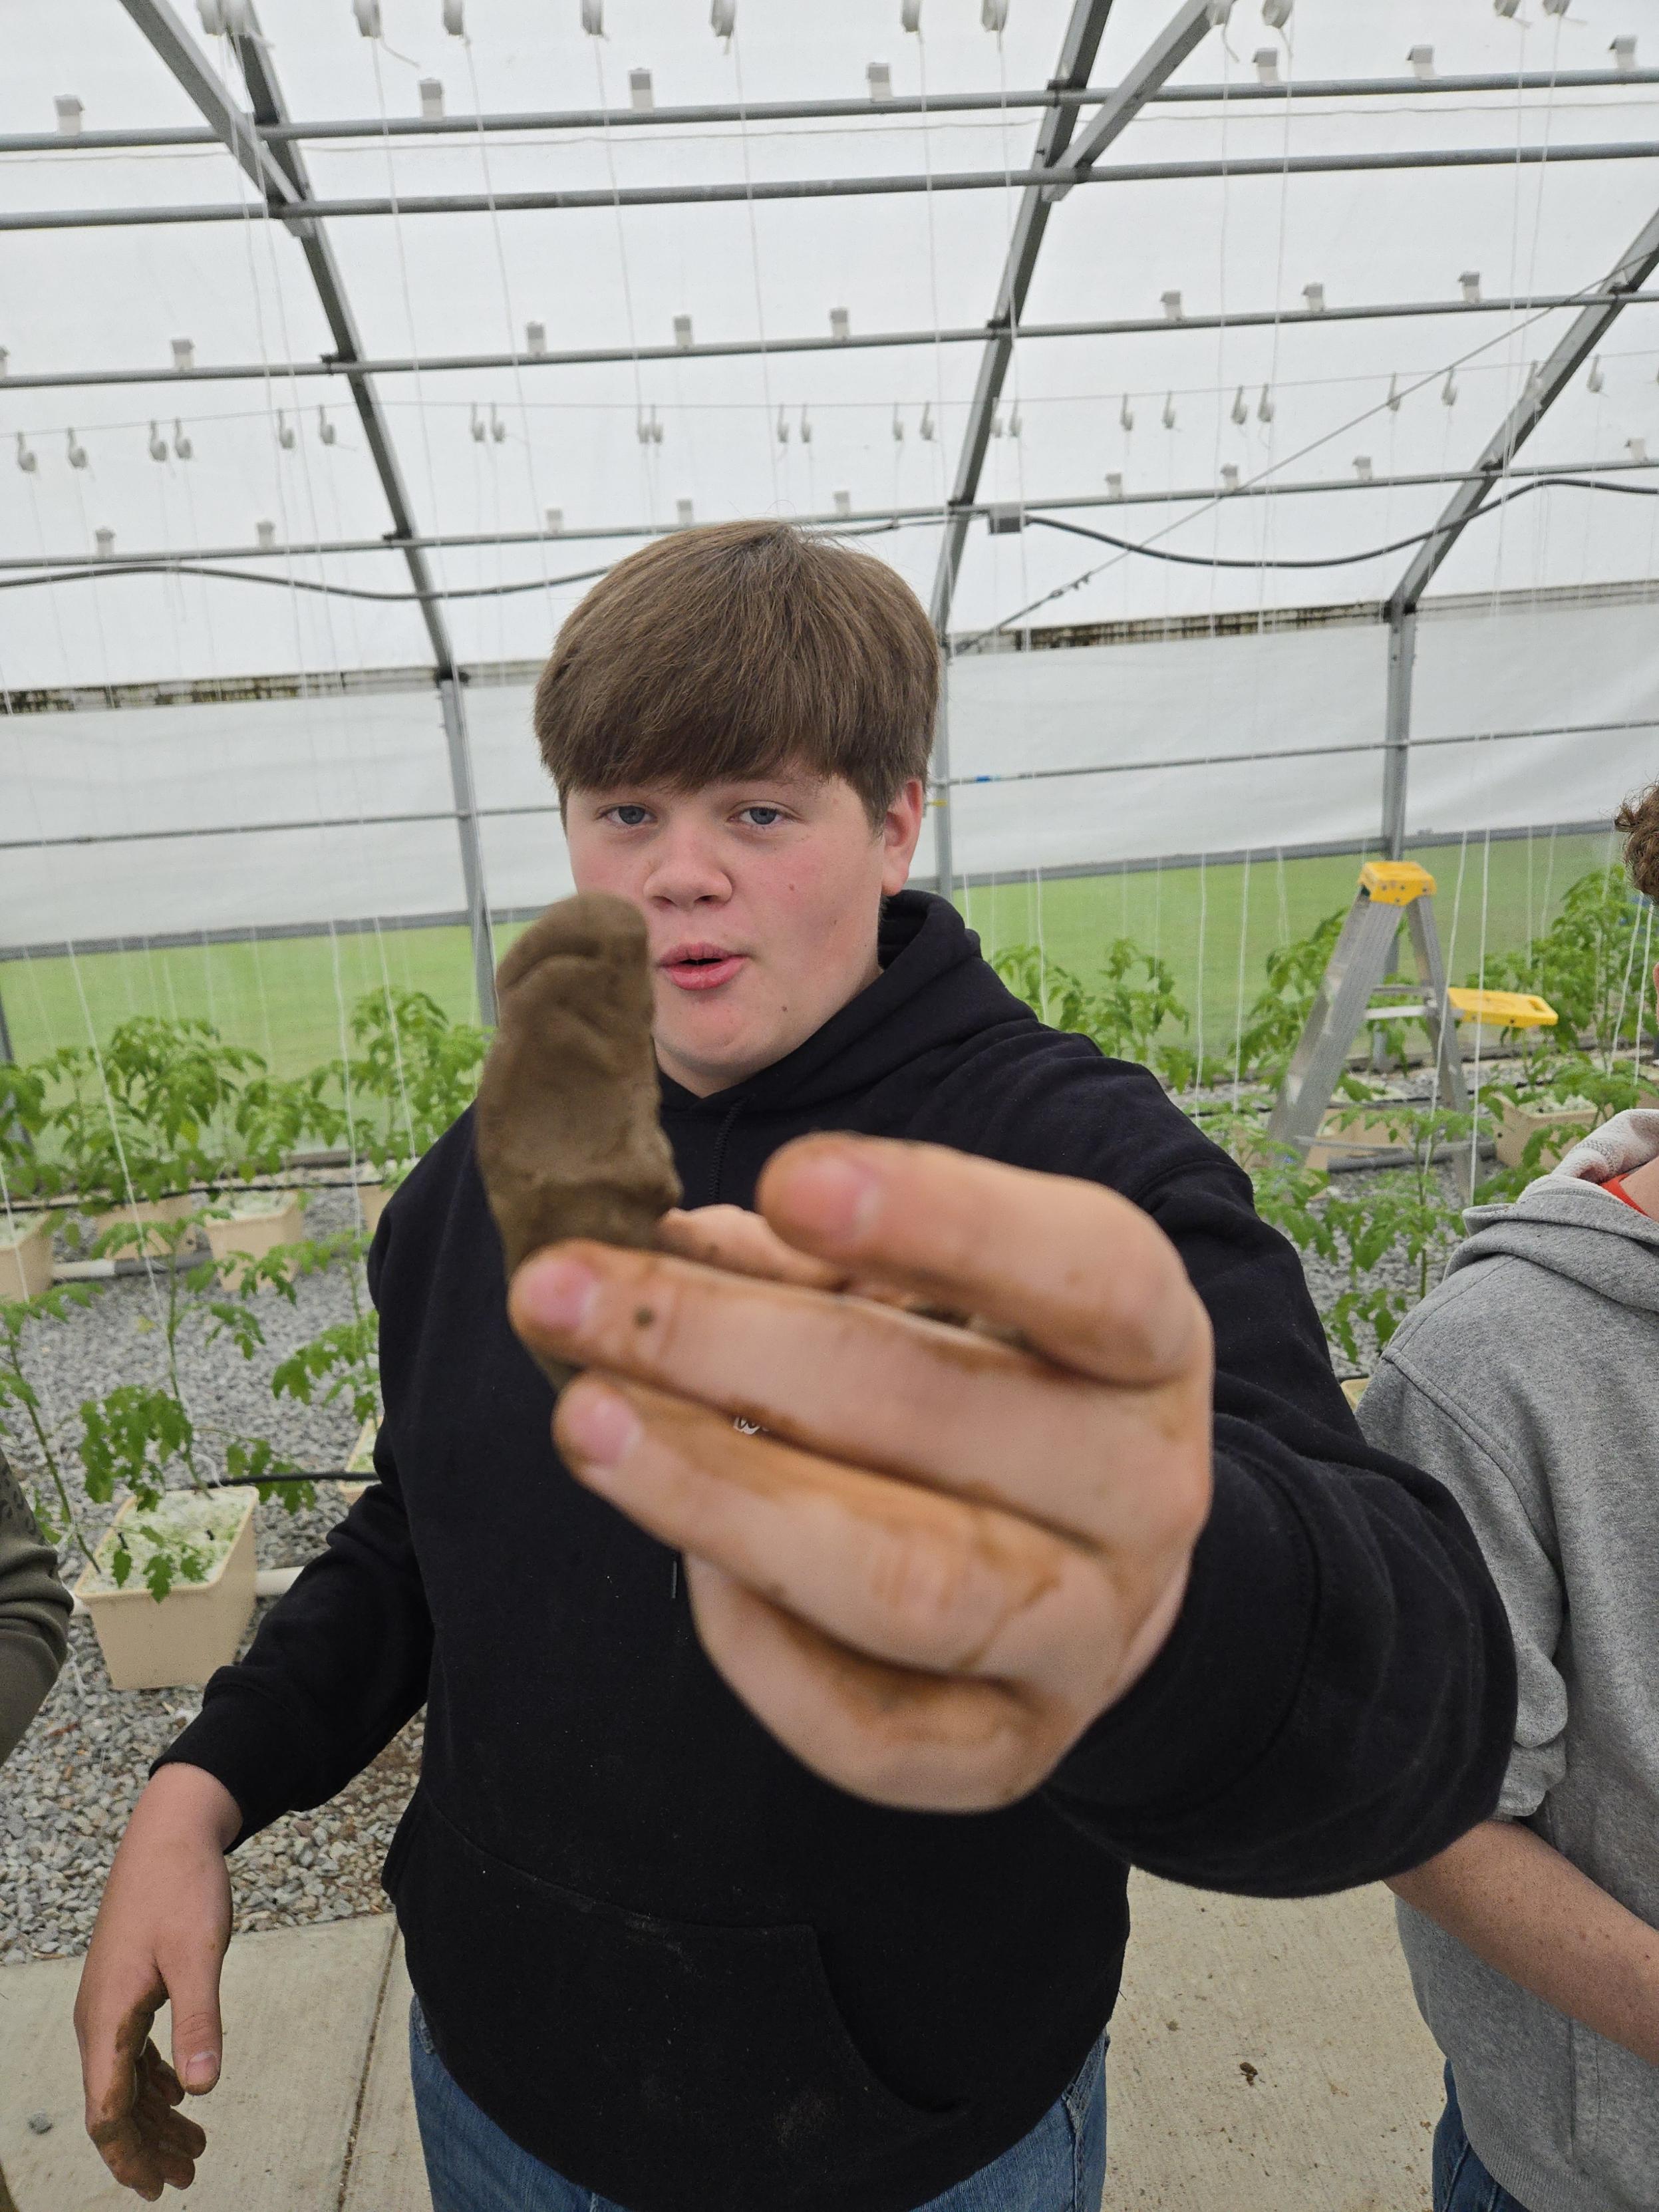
(1397, 729)
(1081, 44)
(1544, 386)
(1053, 170)
(280, 173)
(6, 1055)
(467, 829)
(1448, 1059)
(943, 826)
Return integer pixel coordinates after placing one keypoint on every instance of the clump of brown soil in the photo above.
(569, 1141)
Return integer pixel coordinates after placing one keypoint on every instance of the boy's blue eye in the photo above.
(764, 817)
(630, 816)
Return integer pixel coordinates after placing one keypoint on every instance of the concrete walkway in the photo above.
(1268, 2058)
(1265, 2059)
(313, 2113)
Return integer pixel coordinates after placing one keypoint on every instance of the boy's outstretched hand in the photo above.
(946, 1555)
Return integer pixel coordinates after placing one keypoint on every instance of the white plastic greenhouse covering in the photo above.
(1252, 416)
(1579, 675)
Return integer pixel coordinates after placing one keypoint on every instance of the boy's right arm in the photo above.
(338, 1666)
(162, 1928)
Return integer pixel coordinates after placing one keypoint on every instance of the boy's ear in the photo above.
(901, 831)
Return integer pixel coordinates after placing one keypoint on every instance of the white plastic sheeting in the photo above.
(1174, 723)
(1202, 702)
(1561, 670)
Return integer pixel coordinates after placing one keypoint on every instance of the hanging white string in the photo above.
(647, 447)
(1504, 478)
(537, 512)
(733, 45)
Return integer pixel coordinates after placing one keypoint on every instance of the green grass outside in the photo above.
(284, 997)
(1217, 925)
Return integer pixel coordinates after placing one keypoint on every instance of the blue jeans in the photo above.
(1060, 2167)
(1462, 2184)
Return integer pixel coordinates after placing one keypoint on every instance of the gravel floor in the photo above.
(66, 1792)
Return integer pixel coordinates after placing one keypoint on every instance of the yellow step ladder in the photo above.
(1354, 977)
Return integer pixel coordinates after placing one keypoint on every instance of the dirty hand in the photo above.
(946, 1553)
(163, 1930)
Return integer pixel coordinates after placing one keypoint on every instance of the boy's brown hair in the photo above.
(729, 651)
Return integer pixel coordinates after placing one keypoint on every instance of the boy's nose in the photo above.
(685, 870)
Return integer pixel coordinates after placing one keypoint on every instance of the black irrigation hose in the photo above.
(1340, 560)
(288, 583)
(256, 1481)
(351, 591)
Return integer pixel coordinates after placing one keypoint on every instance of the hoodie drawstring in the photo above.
(719, 1151)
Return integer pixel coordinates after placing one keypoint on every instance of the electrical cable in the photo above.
(1333, 560)
(296, 583)
(874, 530)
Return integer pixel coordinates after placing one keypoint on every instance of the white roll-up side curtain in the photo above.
(145, 822)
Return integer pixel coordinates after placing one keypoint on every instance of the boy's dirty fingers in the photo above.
(1078, 1271)
(732, 1237)
(902, 1572)
(898, 1735)
(849, 1605)
(887, 1392)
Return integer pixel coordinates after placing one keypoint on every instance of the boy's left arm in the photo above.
(1337, 1698)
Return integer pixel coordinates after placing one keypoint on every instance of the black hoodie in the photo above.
(666, 1958)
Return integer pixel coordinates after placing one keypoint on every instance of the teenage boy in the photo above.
(1525, 1382)
(770, 1848)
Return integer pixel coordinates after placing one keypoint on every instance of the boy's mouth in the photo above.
(700, 967)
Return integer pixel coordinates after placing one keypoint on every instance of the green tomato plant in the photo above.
(150, 1113)
(1591, 963)
(1122, 1012)
(25, 1173)
(414, 1072)
(33, 1447)
(138, 1440)
(1278, 1014)
(341, 1361)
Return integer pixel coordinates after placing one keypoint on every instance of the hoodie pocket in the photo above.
(669, 2065)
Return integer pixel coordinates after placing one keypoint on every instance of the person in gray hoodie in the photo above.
(34, 1611)
(1525, 1382)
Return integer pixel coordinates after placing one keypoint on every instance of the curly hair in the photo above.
(1638, 821)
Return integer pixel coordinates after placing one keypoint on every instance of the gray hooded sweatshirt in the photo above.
(1528, 1382)
(34, 1612)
